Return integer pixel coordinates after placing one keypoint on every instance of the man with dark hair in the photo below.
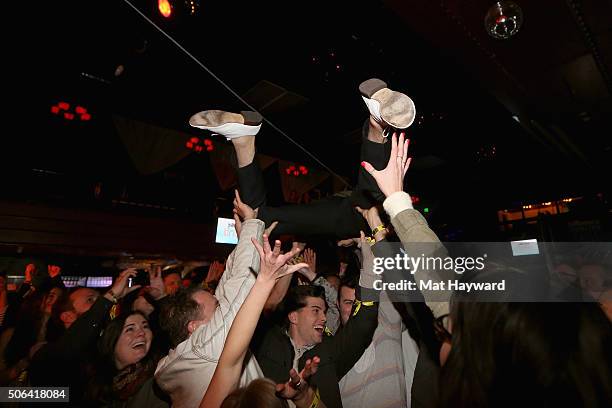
(279, 348)
(172, 281)
(377, 379)
(180, 308)
(198, 322)
(346, 297)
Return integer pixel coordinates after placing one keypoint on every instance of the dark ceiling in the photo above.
(300, 63)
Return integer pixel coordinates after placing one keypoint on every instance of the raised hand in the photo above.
(30, 271)
(373, 219)
(297, 388)
(243, 210)
(273, 264)
(120, 288)
(310, 257)
(156, 286)
(54, 270)
(371, 216)
(348, 242)
(391, 179)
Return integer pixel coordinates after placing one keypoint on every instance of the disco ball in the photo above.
(503, 20)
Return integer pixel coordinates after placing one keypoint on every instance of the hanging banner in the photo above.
(150, 147)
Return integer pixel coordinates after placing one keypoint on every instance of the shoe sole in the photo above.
(215, 118)
(394, 108)
(371, 86)
(228, 124)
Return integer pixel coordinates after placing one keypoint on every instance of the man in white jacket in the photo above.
(199, 323)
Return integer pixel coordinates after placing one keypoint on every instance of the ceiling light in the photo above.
(503, 20)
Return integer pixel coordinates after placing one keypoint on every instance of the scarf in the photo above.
(128, 381)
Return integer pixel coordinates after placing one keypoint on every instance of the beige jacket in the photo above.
(412, 228)
(187, 370)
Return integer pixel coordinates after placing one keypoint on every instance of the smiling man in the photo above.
(279, 348)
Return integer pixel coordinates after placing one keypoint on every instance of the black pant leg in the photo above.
(333, 216)
(252, 187)
(377, 154)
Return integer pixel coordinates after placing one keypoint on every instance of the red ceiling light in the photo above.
(165, 8)
(79, 111)
(296, 171)
(198, 146)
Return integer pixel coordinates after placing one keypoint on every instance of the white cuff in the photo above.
(396, 203)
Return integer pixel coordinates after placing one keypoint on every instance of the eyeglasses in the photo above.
(441, 325)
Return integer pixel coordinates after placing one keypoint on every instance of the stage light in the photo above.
(165, 8)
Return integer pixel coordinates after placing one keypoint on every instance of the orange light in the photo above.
(164, 8)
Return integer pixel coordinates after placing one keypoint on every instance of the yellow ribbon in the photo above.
(315, 400)
(358, 304)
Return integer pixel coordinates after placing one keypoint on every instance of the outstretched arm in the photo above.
(409, 224)
(227, 373)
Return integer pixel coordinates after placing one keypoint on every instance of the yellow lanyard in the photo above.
(358, 304)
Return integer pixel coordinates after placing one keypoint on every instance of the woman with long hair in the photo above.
(127, 362)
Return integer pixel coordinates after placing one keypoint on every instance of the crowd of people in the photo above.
(268, 328)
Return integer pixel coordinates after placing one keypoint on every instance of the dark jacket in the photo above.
(65, 362)
(274, 352)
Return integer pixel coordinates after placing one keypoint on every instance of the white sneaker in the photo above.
(391, 107)
(230, 125)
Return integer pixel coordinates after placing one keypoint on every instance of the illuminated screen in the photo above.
(226, 233)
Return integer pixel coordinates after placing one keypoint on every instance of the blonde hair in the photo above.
(260, 393)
